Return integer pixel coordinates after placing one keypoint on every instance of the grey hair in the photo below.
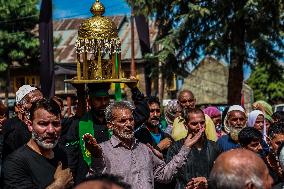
(235, 179)
(117, 105)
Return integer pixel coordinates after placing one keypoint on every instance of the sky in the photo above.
(81, 8)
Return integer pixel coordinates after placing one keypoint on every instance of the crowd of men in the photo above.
(123, 144)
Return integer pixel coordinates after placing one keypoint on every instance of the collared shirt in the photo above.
(138, 166)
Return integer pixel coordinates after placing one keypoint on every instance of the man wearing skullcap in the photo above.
(234, 122)
(15, 130)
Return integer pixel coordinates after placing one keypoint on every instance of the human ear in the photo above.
(29, 123)
(109, 125)
(250, 186)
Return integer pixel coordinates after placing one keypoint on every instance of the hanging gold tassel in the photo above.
(99, 65)
(78, 67)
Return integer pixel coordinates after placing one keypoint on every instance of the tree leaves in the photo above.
(17, 41)
(242, 31)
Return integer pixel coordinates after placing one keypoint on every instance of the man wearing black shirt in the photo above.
(195, 172)
(150, 132)
(39, 163)
(15, 130)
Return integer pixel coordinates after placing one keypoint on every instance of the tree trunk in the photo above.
(237, 56)
(7, 86)
(235, 81)
(161, 84)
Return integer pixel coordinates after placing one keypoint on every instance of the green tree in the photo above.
(241, 32)
(18, 43)
(267, 82)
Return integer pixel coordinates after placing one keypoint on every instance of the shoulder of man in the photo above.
(213, 144)
(18, 156)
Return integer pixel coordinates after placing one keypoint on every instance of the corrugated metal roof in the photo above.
(67, 30)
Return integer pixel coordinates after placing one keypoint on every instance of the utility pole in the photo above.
(132, 65)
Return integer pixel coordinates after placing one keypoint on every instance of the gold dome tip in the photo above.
(98, 8)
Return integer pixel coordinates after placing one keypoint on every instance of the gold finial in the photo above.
(98, 8)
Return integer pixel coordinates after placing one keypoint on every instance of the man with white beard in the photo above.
(234, 122)
(124, 156)
(39, 163)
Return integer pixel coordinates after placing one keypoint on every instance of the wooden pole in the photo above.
(132, 65)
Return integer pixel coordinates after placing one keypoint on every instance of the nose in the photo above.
(200, 125)
(239, 122)
(155, 113)
(187, 104)
(50, 128)
(259, 148)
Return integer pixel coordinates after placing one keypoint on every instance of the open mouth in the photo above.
(49, 140)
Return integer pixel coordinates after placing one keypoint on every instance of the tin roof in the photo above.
(66, 30)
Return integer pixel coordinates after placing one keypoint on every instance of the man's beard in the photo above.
(99, 112)
(124, 135)
(154, 122)
(40, 141)
(234, 132)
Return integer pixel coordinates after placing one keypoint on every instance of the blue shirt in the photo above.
(225, 143)
(156, 137)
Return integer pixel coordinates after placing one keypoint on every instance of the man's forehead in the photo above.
(154, 105)
(42, 113)
(195, 115)
(186, 94)
(121, 112)
(35, 94)
(236, 113)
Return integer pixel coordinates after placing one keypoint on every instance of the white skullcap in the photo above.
(236, 108)
(23, 91)
(232, 108)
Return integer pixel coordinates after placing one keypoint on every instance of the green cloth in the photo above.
(86, 125)
(84, 128)
(266, 107)
(117, 85)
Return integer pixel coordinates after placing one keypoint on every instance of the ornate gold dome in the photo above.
(98, 50)
(98, 32)
(98, 26)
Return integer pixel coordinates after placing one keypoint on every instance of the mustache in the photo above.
(155, 118)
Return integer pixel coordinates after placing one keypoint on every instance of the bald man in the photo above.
(239, 169)
(104, 181)
(187, 102)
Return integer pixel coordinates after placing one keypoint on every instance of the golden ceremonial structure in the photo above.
(98, 50)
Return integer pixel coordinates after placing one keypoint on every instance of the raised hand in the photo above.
(92, 145)
(155, 152)
(165, 143)
(197, 183)
(132, 85)
(63, 177)
(191, 140)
